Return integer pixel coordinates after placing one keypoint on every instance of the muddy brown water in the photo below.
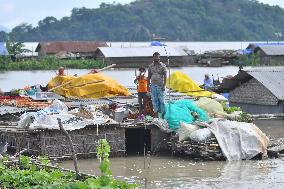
(177, 173)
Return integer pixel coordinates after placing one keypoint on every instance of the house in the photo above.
(270, 54)
(28, 50)
(140, 56)
(257, 90)
(3, 49)
(253, 46)
(84, 49)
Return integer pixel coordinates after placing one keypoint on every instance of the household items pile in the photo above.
(220, 139)
(71, 120)
(22, 102)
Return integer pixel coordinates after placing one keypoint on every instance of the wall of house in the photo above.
(277, 60)
(270, 60)
(41, 53)
(255, 98)
(253, 92)
(55, 144)
(260, 109)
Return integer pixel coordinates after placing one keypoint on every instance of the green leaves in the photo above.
(103, 150)
(232, 109)
(27, 175)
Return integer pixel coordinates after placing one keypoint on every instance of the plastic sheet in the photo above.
(180, 82)
(185, 130)
(239, 140)
(201, 135)
(162, 124)
(181, 110)
(47, 118)
(88, 86)
(211, 106)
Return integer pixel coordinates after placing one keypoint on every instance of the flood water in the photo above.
(19, 79)
(159, 172)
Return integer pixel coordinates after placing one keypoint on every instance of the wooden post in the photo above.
(72, 148)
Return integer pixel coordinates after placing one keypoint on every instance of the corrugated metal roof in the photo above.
(275, 50)
(272, 80)
(264, 69)
(70, 46)
(31, 47)
(3, 49)
(271, 77)
(111, 52)
(255, 45)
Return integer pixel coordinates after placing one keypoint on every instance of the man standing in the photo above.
(208, 83)
(157, 75)
(61, 71)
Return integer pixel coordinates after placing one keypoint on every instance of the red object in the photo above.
(94, 71)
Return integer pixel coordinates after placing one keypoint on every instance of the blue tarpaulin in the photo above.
(157, 43)
(3, 49)
(245, 51)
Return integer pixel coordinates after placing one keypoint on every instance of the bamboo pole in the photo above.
(72, 148)
(88, 83)
(64, 84)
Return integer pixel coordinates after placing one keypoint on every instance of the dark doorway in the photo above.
(136, 139)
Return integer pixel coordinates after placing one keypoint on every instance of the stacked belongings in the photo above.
(220, 139)
(75, 119)
(196, 141)
(199, 136)
(94, 85)
(180, 111)
(22, 102)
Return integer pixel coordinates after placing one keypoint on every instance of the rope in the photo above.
(169, 66)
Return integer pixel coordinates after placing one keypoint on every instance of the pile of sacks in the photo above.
(200, 121)
(237, 140)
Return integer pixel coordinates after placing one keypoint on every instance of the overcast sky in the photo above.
(15, 12)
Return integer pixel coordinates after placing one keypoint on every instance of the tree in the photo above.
(202, 20)
(14, 48)
(3, 36)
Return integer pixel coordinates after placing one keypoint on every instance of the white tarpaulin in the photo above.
(239, 140)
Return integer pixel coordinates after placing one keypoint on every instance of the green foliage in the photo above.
(244, 117)
(232, 109)
(175, 20)
(250, 60)
(27, 174)
(103, 150)
(14, 48)
(275, 63)
(48, 63)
